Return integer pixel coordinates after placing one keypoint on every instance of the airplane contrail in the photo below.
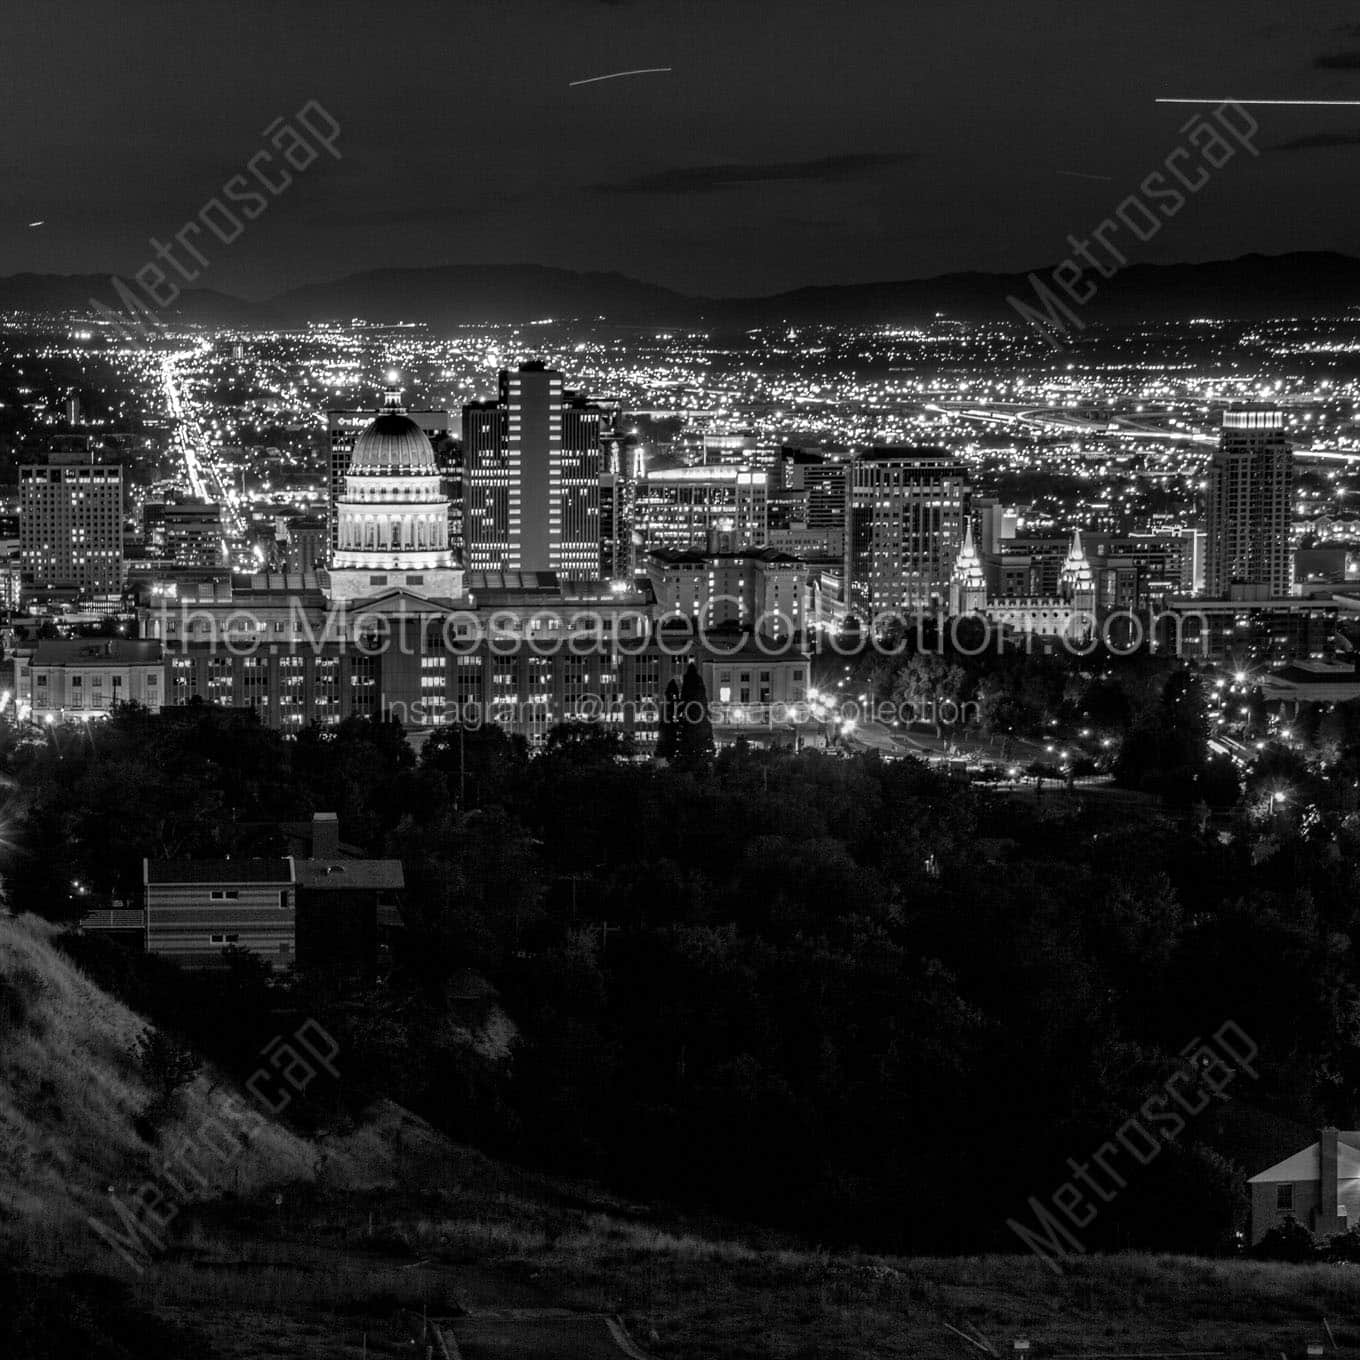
(1329, 103)
(614, 75)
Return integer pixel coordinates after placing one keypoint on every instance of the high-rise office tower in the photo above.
(71, 525)
(531, 476)
(1248, 507)
(684, 507)
(188, 533)
(1192, 561)
(344, 426)
(905, 514)
(621, 468)
(817, 487)
(585, 425)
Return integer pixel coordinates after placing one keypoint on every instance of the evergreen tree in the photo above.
(695, 730)
(668, 740)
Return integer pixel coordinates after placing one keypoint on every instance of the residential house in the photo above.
(1319, 1187)
(197, 909)
(347, 904)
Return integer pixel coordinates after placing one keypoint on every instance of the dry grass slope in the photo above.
(71, 1094)
(402, 1219)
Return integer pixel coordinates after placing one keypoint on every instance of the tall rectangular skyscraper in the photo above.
(815, 487)
(620, 469)
(71, 526)
(1249, 506)
(905, 514)
(531, 476)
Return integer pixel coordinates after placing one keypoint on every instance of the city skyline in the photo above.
(680, 679)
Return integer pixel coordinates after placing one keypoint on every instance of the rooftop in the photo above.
(1305, 1165)
(701, 555)
(90, 651)
(339, 874)
(393, 443)
(489, 588)
(218, 871)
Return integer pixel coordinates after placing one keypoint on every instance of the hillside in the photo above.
(446, 296)
(72, 1097)
(456, 295)
(337, 1246)
(79, 293)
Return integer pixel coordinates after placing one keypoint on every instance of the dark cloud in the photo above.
(1338, 61)
(1316, 140)
(702, 179)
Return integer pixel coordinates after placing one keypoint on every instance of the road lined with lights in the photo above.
(205, 477)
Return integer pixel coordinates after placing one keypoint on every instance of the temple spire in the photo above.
(1077, 576)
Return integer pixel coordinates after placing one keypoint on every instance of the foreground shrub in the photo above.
(1291, 1241)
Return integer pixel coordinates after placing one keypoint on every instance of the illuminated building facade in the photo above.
(392, 521)
(71, 526)
(621, 468)
(1070, 611)
(905, 515)
(531, 476)
(1249, 507)
(682, 507)
(85, 677)
(345, 426)
(188, 533)
(755, 590)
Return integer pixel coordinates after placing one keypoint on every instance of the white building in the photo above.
(86, 677)
(392, 522)
(1071, 613)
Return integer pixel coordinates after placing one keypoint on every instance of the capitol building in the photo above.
(392, 523)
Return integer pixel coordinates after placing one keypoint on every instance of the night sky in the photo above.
(792, 143)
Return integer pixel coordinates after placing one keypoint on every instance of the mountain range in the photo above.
(1252, 287)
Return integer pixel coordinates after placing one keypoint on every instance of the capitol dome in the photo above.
(393, 443)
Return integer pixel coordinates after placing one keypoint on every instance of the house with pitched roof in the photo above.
(1319, 1187)
(323, 905)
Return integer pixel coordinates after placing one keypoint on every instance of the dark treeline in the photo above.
(842, 996)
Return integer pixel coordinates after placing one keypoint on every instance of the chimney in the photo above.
(326, 845)
(1327, 1186)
